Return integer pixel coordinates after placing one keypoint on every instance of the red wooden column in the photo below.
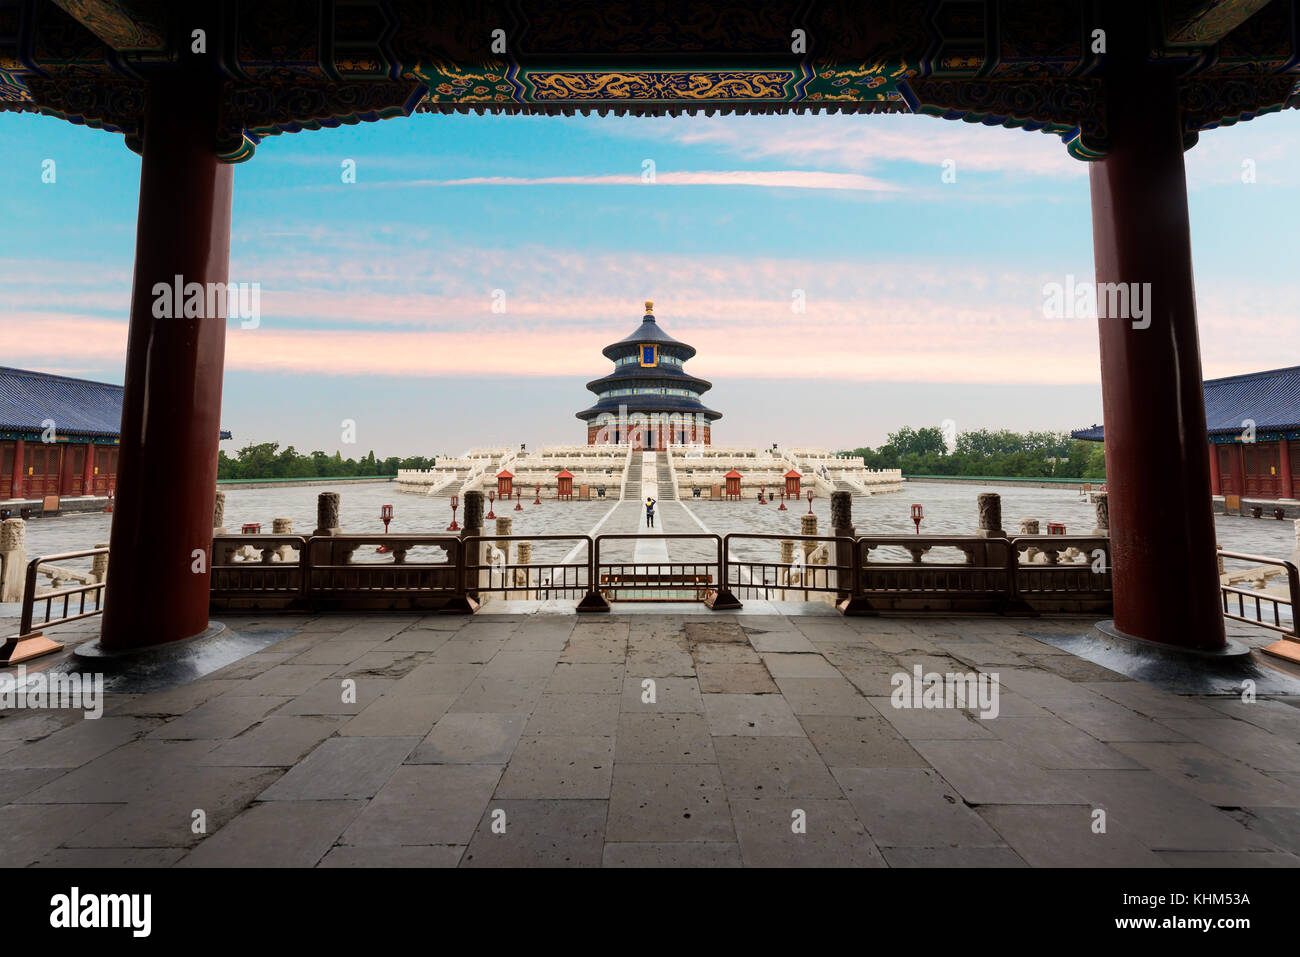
(1237, 468)
(16, 480)
(65, 470)
(1214, 470)
(172, 402)
(1164, 574)
(88, 470)
(1285, 481)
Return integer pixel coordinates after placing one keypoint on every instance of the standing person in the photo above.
(649, 512)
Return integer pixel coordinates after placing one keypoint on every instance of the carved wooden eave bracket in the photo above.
(249, 112)
(1075, 109)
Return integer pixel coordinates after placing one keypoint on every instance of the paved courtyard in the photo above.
(650, 739)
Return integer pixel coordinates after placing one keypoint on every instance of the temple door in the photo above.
(74, 461)
(100, 480)
(6, 469)
(1295, 465)
(45, 464)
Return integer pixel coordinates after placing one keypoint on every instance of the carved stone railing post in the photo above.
(13, 556)
(99, 564)
(787, 560)
(505, 524)
(474, 555)
(845, 557)
(327, 514)
(219, 514)
(525, 557)
(327, 526)
(1101, 501)
(990, 526)
(1029, 526)
(283, 526)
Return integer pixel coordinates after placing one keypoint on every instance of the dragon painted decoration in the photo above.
(287, 66)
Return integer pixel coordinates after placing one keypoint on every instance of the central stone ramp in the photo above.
(632, 491)
(664, 476)
(650, 553)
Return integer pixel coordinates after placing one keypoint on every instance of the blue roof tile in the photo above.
(1271, 399)
(76, 406)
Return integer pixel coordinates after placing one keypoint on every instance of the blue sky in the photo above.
(924, 298)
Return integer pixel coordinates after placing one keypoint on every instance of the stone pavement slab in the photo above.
(425, 804)
(913, 807)
(341, 769)
(681, 854)
(830, 834)
(559, 766)
(771, 766)
(408, 856)
(772, 740)
(1056, 836)
(276, 741)
(750, 714)
(663, 739)
(539, 833)
(467, 738)
(852, 741)
(276, 834)
(668, 803)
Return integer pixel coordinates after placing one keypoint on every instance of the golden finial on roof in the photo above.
(649, 307)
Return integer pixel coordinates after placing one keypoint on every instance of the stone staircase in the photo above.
(633, 490)
(664, 476)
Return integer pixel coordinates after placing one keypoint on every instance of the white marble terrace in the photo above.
(691, 467)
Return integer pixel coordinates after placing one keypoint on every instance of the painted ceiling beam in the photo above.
(1203, 22)
(121, 24)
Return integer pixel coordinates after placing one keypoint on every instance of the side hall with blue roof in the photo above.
(58, 435)
(1253, 433)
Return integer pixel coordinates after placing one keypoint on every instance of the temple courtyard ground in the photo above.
(652, 736)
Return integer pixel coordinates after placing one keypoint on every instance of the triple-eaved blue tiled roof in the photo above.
(76, 406)
(1271, 399)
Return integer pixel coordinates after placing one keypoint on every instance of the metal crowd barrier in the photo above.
(30, 598)
(1246, 596)
(295, 572)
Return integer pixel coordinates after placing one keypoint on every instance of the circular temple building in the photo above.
(649, 400)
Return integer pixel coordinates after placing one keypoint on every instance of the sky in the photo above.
(922, 294)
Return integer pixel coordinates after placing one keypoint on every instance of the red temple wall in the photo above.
(1257, 469)
(31, 469)
(646, 437)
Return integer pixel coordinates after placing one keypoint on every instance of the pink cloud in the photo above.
(776, 179)
(870, 141)
(330, 312)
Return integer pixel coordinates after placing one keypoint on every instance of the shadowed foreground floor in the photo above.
(532, 740)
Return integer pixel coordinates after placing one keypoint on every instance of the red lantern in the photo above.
(810, 511)
(492, 497)
(537, 500)
(455, 503)
(518, 496)
(782, 508)
(762, 495)
(385, 516)
(917, 515)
